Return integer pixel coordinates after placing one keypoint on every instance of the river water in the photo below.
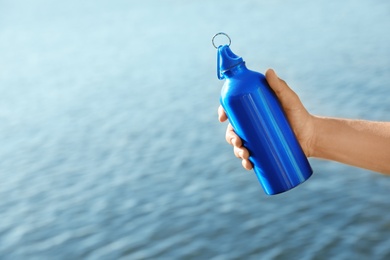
(110, 146)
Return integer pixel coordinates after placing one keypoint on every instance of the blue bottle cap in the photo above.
(226, 60)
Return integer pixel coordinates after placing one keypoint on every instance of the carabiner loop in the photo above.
(220, 33)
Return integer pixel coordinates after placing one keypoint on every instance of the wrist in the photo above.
(314, 132)
(323, 137)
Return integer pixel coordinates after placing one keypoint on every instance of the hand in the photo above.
(300, 120)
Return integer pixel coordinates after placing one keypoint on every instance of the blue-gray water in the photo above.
(110, 145)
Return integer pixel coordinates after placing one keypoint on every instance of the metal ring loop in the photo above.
(220, 33)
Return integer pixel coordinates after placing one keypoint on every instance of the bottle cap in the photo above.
(226, 60)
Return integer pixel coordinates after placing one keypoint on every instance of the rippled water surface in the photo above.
(110, 146)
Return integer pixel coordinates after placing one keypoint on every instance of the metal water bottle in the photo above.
(259, 120)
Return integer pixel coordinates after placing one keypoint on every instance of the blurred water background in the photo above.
(110, 146)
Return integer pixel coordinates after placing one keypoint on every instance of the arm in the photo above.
(364, 144)
(359, 143)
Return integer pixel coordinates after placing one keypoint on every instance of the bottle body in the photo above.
(258, 118)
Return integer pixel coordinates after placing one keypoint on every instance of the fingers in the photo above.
(247, 164)
(221, 114)
(241, 152)
(238, 149)
(231, 137)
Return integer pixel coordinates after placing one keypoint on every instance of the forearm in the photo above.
(364, 144)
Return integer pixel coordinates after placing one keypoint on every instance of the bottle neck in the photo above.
(234, 71)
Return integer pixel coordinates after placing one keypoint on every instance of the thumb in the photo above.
(274, 81)
(284, 93)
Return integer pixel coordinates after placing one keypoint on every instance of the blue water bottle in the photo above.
(259, 120)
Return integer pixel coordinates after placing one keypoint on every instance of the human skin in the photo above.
(360, 143)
